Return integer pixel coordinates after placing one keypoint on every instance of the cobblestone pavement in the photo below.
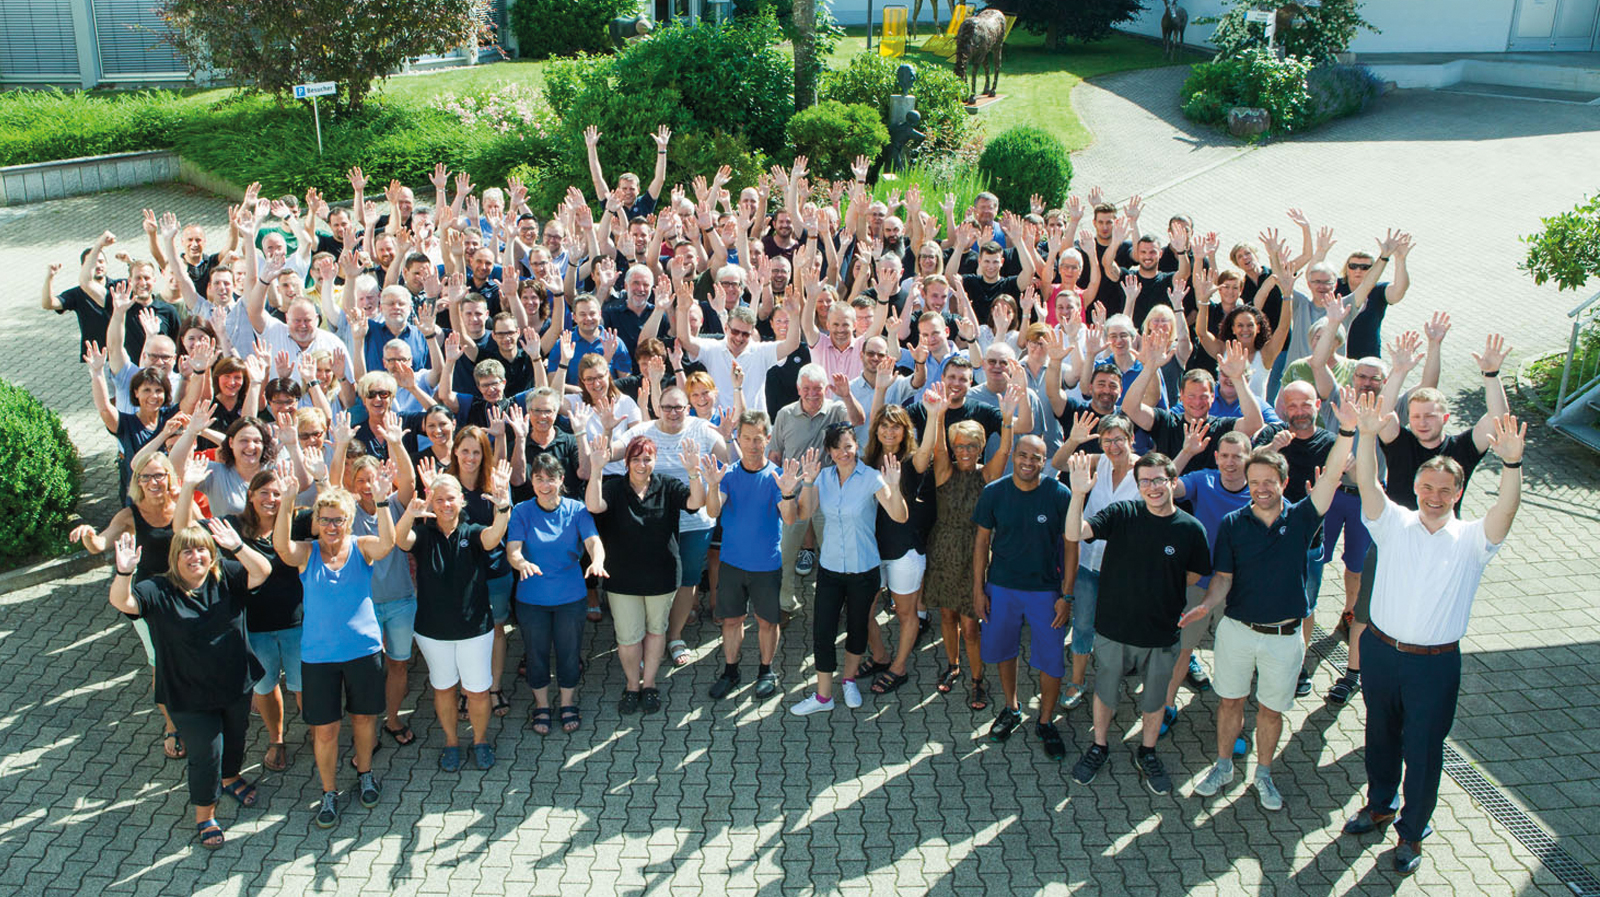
(904, 795)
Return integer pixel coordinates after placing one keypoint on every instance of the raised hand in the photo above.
(1344, 410)
(1437, 328)
(891, 470)
(1195, 439)
(1371, 414)
(126, 555)
(1082, 471)
(811, 465)
(1508, 439)
(1494, 354)
(195, 470)
(662, 137)
(839, 384)
(1083, 428)
(1130, 287)
(94, 357)
(227, 538)
(1405, 351)
(1011, 402)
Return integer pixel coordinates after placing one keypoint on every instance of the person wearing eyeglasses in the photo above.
(1369, 298)
(1153, 552)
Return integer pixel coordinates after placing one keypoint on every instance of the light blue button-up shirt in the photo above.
(850, 516)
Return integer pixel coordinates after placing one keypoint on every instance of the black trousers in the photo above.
(852, 593)
(1411, 705)
(215, 741)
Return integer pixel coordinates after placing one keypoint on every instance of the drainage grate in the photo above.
(1500, 808)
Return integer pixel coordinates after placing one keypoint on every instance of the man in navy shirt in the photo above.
(1262, 578)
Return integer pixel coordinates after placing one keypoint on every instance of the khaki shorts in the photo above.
(634, 616)
(1243, 653)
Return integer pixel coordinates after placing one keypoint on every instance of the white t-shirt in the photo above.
(696, 431)
(1422, 593)
(628, 414)
(1092, 552)
(276, 338)
(757, 359)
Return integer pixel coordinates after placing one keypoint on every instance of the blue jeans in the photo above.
(557, 626)
(279, 652)
(692, 549)
(1085, 595)
(500, 597)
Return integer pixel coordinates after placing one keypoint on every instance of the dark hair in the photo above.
(281, 386)
(153, 376)
(545, 465)
(1270, 458)
(414, 257)
(1115, 421)
(835, 434)
(250, 526)
(269, 445)
(637, 446)
(893, 414)
(1263, 326)
(1155, 459)
(1105, 367)
(991, 247)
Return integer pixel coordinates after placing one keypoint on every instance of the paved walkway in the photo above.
(903, 795)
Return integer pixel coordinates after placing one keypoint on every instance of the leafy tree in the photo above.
(1326, 29)
(1568, 249)
(271, 47)
(1086, 20)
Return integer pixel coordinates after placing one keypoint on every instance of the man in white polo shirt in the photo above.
(741, 345)
(1411, 653)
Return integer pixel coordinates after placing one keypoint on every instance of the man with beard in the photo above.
(1167, 426)
(141, 282)
(1105, 392)
(634, 204)
(1147, 286)
(1106, 249)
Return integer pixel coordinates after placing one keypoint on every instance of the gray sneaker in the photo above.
(1266, 791)
(1216, 780)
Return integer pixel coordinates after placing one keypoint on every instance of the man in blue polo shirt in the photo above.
(1261, 575)
(587, 338)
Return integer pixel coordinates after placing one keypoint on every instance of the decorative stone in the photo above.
(1248, 121)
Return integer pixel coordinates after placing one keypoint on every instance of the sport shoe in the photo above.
(1215, 780)
(1088, 766)
(851, 692)
(1050, 736)
(1344, 689)
(1267, 792)
(1153, 773)
(371, 789)
(805, 562)
(1169, 718)
(1005, 723)
(812, 704)
(1368, 821)
(725, 684)
(483, 755)
(1196, 677)
(328, 813)
(767, 684)
(1302, 685)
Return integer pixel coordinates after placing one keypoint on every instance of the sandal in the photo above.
(679, 650)
(948, 679)
(177, 751)
(539, 720)
(570, 719)
(595, 614)
(1075, 697)
(871, 668)
(242, 791)
(502, 706)
(888, 681)
(277, 758)
(978, 695)
(402, 736)
(210, 834)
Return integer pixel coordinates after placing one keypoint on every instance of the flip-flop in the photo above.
(277, 758)
(402, 736)
(242, 791)
(679, 650)
(178, 752)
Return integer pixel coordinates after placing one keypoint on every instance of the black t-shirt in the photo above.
(199, 272)
(519, 369)
(132, 436)
(642, 533)
(564, 448)
(276, 604)
(1026, 551)
(1200, 359)
(203, 660)
(167, 314)
(982, 293)
(92, 318)
(952, 325)
(896, 539)
(452, 582)
(1010, 262)
(987, 416)
(783, 379)
(1406, 454)
(1069, 416)
(1109, 294)
(1304, 457)
(1166, 436)
(1152, 292)
(1272, 305)
(1144, 573)
(1365, 339)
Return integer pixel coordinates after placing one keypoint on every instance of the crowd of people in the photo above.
(352, 430)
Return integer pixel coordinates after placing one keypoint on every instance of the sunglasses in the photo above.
(1357, 266)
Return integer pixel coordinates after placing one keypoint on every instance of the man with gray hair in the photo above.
(740, 346)
(1001, 369)
(631, 318)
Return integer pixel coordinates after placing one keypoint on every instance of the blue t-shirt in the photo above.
(621, 362)
(340, 623)
(1026, 550)
(752, 530)
(391, 577)
(554, 541)
(1211, 502)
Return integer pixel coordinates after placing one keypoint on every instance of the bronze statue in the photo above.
(916, 13)
(980, 42)
(1174, 19)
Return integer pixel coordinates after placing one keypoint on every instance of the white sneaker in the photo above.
(1215, 780)
(1267, 792)
(851, 692)
(811, 705)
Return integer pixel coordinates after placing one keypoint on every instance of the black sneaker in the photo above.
(371, 789)
(1302, 685)
(1004, 724)
(1088, 766)
(725, 684)
(328, 813)
(1050, 736)
(1152, 773)
(629, 703)
(767, 684)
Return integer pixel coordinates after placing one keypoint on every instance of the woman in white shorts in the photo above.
(901, 546)
(455, 621)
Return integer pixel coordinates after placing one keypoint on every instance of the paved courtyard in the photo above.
(904, 795)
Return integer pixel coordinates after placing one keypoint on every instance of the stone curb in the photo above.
(55, 568)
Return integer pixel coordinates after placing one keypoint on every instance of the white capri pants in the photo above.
(464, 662)
(903, 575)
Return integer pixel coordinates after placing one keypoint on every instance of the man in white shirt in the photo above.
(718, 355)
(1411, 650)
(300, 333)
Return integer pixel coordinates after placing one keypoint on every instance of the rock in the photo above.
(1247, 121)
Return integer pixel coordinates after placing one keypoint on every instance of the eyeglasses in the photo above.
(729, 283)
(152, 477)
(306, 437)
(332, 521)
(1357, 266)
(1154, 482)
(504, 334)
(674, 407)
(744, 333)
(1114, 440)
(379, 394)
(162, 357)
(1320, 283)
(600, 378)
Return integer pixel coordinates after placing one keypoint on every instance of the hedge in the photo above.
(40, 478)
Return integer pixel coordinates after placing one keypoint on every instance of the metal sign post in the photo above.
(312, 91)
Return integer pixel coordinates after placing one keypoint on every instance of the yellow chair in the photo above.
(892, 40)
(945, 44)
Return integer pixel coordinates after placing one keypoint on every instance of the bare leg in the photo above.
(325, 743)
(1179, 671)
(682, 608)
(732, 638)
(395, 673)
(1269, 728)
(497, 656)
(1151, 730)
(1230, 722)
(1080, 669)
(654, 646)
(969, 631)
(444, 706)
(629, 656)
(364, 735)
(1049, 694)
(1008, 681)
(270, 706)
(1103, 713)
(950, 629)
(905, 610)
(767, 636)
(479, 710)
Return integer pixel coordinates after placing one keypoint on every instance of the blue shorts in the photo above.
(1344, 513)
(1085, 595)
(500, 597)
(1001, 637)
(396, 619)
(692, 549)
(279, 653)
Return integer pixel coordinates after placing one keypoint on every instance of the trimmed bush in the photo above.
(560, 27)
(41, 480)
(46, 125)
(831, 134)
(1338, 90)
(1024, 160)
(1254, 78)
(869, 78)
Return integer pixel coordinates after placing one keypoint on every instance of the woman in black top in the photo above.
(203, 661)
(455, 625)
(903, 547)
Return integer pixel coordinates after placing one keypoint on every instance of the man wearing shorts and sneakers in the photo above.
(757, 502)
(1261, 576)
(1154, 551)
(1020, 520)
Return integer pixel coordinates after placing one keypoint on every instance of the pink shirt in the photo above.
(846, 361)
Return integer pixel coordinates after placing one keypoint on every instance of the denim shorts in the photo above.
(1085, 595)
(396, 618)
(692, 549)
(500, 597)
(279, 652)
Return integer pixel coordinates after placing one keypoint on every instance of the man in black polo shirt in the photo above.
(982, 288)
(1154, 552)
(1147, 286)
(957, 380)
(1260, 575)
(1197, 389)
(90, 309)
(632, 318)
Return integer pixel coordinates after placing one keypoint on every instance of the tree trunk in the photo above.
(805, 53)
(1052, 34)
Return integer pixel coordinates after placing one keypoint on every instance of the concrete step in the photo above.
(1566, 73)
(1478, 88)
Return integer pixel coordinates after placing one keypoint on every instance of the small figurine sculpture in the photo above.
(904, 120)
(624, 29)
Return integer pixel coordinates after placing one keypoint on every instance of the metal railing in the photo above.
(1581, 370)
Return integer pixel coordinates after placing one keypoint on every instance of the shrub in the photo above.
(1255, 77)
(1327, 29)
(869, 78)
(42, 478)
(1338, 90)
(559, 27)
(45, 125)
(831, 134)
(1024, 160)
(1568, 249)
(1086, 20)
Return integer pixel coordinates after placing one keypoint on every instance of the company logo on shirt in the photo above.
(1042, 519)
(1283, 530)
(1170, 551)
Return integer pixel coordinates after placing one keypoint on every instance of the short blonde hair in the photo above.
(159, 459)
(967, 431)
(376, 380)
(334, 497)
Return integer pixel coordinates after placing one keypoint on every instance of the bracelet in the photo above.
(502, 509)
(790, 497)
(1344, 432)
(1493, 373)
(124, 572)
(1383, 258)
(561, 366)
(1511, 464)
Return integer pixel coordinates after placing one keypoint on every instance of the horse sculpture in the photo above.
(916, 13)
(980, 42)
(1174, 19)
